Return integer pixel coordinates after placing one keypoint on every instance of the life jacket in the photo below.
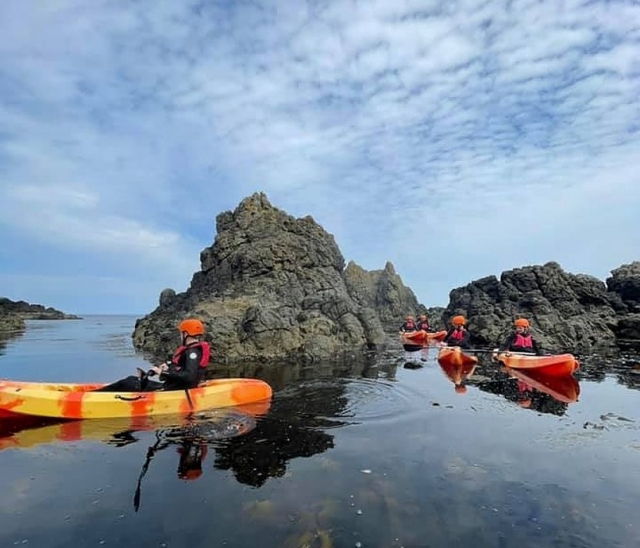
(423, 325)
(204, 360)
(522, 341)
(456, 335)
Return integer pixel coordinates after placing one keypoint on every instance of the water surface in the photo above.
(380, 452)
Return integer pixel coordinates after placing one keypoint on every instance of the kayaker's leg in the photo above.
(152, 386)
(128, 384)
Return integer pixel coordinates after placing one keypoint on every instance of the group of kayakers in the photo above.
(186, 368)
(520, 340)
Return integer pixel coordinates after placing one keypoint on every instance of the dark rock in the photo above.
(382, 291)
(625, 282)
(14, 313)
(566, 311)
(274, 287)
(27, 311)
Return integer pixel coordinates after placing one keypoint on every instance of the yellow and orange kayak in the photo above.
(556, 365)
(78, 401)
(423, 337)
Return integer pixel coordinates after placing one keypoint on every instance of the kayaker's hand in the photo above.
(157, 370)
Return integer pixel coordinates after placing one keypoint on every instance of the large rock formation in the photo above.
(274, 287)
(567, 311)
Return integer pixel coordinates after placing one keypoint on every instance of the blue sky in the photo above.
(456, 139)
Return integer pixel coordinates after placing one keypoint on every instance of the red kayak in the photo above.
(557, 365)
(423, 337)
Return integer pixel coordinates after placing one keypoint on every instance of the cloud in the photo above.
(456, 139)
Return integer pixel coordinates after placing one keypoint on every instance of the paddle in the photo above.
(150, 453)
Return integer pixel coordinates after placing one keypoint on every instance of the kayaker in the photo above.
(423, 324)
(458, 335)
(409, 326)
(521, 340)
(184, 370)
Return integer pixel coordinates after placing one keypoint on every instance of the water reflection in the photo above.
(6, 336)
(372, 365)
(459, 374)
(533, 390)
(297, 427)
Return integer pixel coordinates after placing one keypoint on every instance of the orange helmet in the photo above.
(521, 322)
(191, 474)
(191, 327)
(458, 320)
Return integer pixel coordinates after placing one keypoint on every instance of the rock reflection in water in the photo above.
(6, 336)
(296, 427)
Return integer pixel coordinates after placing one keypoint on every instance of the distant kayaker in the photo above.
(458, 335)
(521, 340)
(409, 325)
(182, 371)
(423, 324)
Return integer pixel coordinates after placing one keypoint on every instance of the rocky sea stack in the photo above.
(273, 287)
(570, 312)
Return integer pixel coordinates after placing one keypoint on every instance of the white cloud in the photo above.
(125, 128)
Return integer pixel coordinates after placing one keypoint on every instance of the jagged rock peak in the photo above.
(275, 287)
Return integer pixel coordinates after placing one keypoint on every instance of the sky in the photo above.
(456, 139)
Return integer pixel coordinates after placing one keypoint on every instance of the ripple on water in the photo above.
(381, 401)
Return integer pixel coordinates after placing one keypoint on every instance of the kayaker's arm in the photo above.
(188, 375)
(536, 347)
(506, 344)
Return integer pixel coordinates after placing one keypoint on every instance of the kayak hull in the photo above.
(558, 365)
(78, 401)
(453, 355)
(423, 337)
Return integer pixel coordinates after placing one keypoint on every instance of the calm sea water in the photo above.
(382, 452)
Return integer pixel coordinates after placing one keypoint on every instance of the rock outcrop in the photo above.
(572, 312)
(273, 287)
(14, 313)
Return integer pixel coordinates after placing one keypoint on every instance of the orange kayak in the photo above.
(78, 401)
(423, 337)
(453, 355)
(557, 365)
(564, 388)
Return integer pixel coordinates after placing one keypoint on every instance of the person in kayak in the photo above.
(458, 335)
(409, 326)
(521, 340)
(184, 370)
(423, 324)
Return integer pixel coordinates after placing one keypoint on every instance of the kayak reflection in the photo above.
(457, 367)
(534, 390)
(26, 432)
